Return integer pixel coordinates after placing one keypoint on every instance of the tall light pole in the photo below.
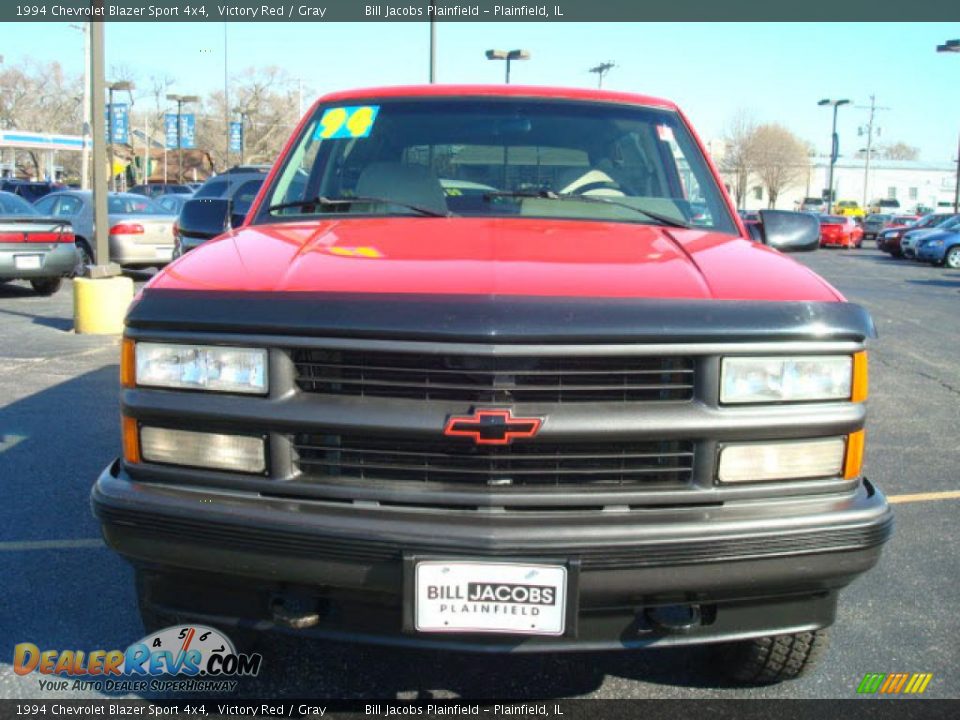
(226, 102)
(834, 148)
(119, 86)
(508, 55)
(601, 70)
(433, 42)
(85, 132)
(954, 47)
(181, 100)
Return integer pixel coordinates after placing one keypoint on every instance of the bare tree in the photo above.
(901, 151)
(38, 97)
(780, 159)
(737, 161)
(267, 98)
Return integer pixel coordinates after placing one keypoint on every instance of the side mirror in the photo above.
(204, 218)
(789, 231)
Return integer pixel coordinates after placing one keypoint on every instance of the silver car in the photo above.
(141, 232)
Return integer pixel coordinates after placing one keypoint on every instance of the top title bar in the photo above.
(479, 10)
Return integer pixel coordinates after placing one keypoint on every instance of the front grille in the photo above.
(460, 463)
(483, 379)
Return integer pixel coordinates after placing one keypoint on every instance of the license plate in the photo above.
(27, 262)
(164, 253)
(490, 597)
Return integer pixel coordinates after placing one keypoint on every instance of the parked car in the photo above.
(813, 204)
(155, 190)
(875, 223)
(848, 208)
(840, 231)
(33, 247)
(173, 202)
(889, 240)
(29, 190)
(239, 184)
(911, 238)
(141, 232)
(321, 406)
(941, 248)
(890, 206)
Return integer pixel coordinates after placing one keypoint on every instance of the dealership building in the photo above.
(912, 182)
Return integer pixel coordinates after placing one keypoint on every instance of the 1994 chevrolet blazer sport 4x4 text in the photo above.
(499, 369)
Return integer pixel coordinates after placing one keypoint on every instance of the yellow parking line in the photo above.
(925, 497)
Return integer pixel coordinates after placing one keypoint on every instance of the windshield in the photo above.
(499, 157)
(877, 218)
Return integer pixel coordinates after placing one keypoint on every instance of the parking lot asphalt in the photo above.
(61, 588)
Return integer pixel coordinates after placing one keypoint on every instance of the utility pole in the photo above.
(101, 221)
(601, 70)
(85, 131)
(433, 42)
(226, 103)
(866, 165)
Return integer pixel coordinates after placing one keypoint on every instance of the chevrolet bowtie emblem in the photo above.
(492, 427)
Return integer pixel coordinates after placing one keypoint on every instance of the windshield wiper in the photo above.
(333, 202)
(551, 195)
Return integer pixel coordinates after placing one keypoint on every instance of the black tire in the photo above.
(84, 258)
(773, 659)
(952, 258)
(46, 286)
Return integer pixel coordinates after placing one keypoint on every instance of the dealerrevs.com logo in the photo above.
(182, 658)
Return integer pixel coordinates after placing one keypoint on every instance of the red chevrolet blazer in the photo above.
(496, 369)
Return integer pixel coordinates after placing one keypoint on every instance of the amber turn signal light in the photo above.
(128, 363)
(854, 460)
(860, 377)
(131, 440)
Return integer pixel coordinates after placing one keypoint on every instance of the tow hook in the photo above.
(675, 618)
(295, 612)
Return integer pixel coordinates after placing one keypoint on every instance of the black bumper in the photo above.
(744, 569)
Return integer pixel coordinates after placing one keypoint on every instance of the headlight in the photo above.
(791, 460)
(934, 243)
(201, 367)
(786, 379)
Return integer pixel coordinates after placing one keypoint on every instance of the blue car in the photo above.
(941, 248)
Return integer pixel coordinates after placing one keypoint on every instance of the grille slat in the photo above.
(486, 378)
(547, 466)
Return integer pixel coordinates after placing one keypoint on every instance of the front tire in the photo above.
(46, 286)
(773, 659)
(952, 258)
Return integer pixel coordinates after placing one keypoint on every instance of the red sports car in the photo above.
(840, 231)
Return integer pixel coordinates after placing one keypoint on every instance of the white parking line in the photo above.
(79, 543)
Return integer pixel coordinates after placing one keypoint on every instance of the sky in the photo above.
(775, 71)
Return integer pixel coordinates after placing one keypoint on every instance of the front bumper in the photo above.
(750, 568)
(931, 254)
(57, 260)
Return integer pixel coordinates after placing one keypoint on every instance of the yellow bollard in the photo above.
(100, 305)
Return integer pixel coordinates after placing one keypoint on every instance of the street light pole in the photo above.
(508, 56)
(834, 149)
(954, 47)
(120, 85)
(433, 42)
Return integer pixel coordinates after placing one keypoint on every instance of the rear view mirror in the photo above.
(789, 231)
(204, 218)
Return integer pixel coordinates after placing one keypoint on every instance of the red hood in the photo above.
(493, 256)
